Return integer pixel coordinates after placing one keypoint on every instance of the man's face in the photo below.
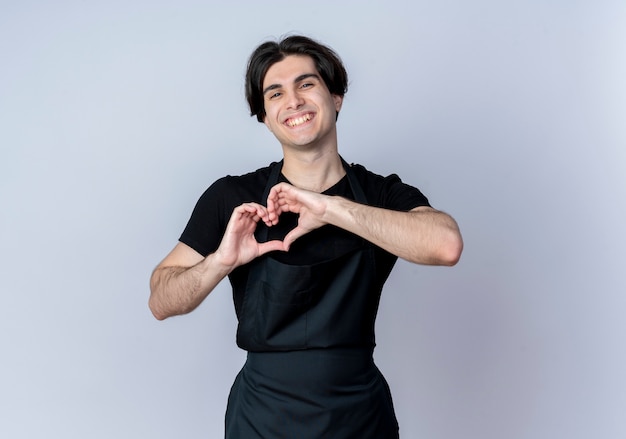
(299, 109)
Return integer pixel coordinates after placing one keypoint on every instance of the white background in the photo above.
(510, 115)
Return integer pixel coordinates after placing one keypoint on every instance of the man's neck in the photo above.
(313, 170)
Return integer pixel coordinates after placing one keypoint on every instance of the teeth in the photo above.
(299, 120)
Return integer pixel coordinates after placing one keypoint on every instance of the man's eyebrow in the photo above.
(270, 88)
(298, 79)
(305, 76)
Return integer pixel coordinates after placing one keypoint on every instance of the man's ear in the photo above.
(338, 102)
(267, 124)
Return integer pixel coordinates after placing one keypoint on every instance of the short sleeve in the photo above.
(401, 196)
(208, 220)
(389, 192)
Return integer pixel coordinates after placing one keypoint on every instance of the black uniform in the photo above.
(306, 317)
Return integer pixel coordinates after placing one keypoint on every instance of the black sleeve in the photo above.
(389, 192)
(402, 196)
(208, 220)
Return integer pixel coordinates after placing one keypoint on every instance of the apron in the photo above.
(309, 333)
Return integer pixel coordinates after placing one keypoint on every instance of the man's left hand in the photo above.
(311, 207)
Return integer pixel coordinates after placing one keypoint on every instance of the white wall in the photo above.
(115, 116)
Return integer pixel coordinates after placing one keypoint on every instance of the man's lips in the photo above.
(298, 120)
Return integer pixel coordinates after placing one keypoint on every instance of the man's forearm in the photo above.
(178, 290)
(423, 236)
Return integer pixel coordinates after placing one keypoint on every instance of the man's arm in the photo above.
(185, 278)
(423, 235)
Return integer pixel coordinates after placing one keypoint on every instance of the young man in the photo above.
(307, 244)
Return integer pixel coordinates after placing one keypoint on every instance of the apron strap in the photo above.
(357, 190)
(272, 180)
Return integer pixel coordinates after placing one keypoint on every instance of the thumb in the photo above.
(294, 234)
(270, 246)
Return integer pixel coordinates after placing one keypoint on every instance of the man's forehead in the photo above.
(288, 69)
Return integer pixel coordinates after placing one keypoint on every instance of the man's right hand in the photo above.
(184, 278)
(239, 245)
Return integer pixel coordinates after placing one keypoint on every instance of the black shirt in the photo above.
(212, 212)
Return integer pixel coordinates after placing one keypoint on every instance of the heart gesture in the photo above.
(311, 207)
(239, 245)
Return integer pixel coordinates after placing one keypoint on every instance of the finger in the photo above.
(286, 206)
(271, 209)
(274, 209)
(280, 190)
(254, 207)
(259, 211)
(245, 215)
(270, 246)
(293, 235)
(244, 210)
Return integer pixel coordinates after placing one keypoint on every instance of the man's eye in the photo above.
(306, 85)
(274, 95)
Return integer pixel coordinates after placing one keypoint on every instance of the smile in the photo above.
(299, 120)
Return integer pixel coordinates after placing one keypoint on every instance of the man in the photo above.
(307, 244)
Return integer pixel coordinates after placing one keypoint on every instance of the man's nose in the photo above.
(295, 100)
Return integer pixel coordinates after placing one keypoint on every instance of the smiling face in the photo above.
(299, 109)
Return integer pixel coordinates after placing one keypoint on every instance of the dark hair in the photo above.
(327, 62)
